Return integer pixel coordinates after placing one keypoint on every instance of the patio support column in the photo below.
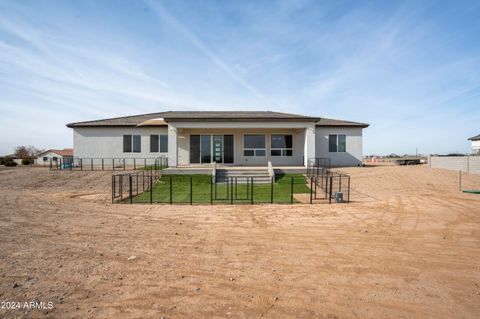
(172, 146)
(309, 151)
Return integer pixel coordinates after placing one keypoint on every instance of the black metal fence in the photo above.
(126, 186)
(107, 164)
(330, 186)
(151, 187)
(315, 164)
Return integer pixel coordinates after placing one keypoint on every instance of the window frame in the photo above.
(159, 144)
(132, 137)
(337, 144)
(256, 150)
(283, 150)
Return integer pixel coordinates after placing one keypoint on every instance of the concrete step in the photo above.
(244, 180)
(243, 172)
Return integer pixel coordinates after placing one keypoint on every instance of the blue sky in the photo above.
(410, 69)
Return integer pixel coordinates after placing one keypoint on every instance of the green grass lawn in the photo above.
(202, 190)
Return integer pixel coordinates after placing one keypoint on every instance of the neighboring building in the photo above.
(54, 155)
(234, 138)
(475, 144)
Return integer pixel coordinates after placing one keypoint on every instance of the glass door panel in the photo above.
(194, 149)
(218, 148)
(206, 148)
(228, 152)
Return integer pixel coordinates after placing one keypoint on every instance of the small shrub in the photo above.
(7, 159)
(26, 161)
(11, 164)
(2, 160)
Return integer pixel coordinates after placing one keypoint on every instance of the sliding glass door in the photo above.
(201, 149)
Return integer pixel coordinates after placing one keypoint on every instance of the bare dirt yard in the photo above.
(408, 246)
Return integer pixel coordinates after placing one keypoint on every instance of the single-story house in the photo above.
(475, 144)
(45, 157)
(237, 138)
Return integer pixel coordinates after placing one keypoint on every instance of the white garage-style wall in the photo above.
(354, 152)
(107, 142)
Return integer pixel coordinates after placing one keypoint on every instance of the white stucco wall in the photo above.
(48, 155)
(296, 158)
(354, 154)
(476, 147)
(107, 142)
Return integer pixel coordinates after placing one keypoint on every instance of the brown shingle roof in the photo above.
(213, 116)
(332, 122)
(196, 116)
(475, 138)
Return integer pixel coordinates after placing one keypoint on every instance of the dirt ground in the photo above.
(408, 246)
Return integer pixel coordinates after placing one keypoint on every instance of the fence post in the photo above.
(113, 164)
(123, 164)
(120, 186)
(171, 189)
(134, 164)
(191, 191)
(291, 192)
(91, 164)
(271, 191)
(113, 187)
(143, 181)
(348, 196)
(136, 177)
(130, 188)
(330, 192)
(81, 164)
(231, 190)
(151, 188)
(102, 164)
(311, 189)
(251, 192)
(211, 190)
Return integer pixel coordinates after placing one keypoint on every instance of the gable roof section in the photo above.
(64, 152)
(340, 123)
(195, 116)
(156, 119)
(475, 138)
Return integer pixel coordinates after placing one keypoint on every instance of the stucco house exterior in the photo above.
(475, 144)
(45, 157)
(237, 138)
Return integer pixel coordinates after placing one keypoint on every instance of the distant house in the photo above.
(237, 138)
(475, 144)
(45, 157)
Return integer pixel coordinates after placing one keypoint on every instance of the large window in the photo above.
(337, 143)
(254, 145)
(281, 145)
(132, 143)
(158, 143)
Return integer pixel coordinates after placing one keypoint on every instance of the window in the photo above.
(163, 143)
(132, 143)
(337, 143)
(154, 143)
(45, 159)
(127, 143)
(281, 145)
(254, 145)
(158, 143)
